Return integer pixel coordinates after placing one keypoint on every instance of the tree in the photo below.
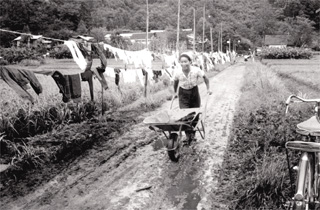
(82, 28)
(118, 41)
(99, 33)
(301, 31)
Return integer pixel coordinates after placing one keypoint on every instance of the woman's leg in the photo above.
(195, 98)
(196, 103)
(185, 101)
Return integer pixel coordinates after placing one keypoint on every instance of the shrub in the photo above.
(30, 62)
(3, 62)
(60, 52)
(285, 53)
(17, 54)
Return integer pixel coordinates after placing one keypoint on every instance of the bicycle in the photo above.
(307, 192)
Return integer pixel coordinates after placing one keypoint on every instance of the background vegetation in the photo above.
(245, 20)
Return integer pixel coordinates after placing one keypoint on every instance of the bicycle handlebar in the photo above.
(301, 100)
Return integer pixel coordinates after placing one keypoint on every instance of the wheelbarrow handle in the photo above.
(204, 113)
(172, 100)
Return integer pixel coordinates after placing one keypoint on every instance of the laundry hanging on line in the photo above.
(69, 85)
(76, 54)
(129, 75)
(86, 76)
(85, 64)
(18, 80)
(140, 59)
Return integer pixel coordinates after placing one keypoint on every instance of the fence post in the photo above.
(102, 93)
(145, 84)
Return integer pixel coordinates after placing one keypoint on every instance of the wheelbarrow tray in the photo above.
(172, 120)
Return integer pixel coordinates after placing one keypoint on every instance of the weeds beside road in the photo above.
(255, 173)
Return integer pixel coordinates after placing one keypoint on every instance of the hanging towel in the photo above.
(109, 72)
(150, 75)
(140, 76)
(76, 54)
(129, 76)
(18, 79)
(69, 85)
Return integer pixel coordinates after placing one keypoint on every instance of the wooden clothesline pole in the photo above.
(102, 93)
(15, 32)
(146, 84)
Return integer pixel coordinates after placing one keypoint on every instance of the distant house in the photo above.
(33, 39)
(140, 37)
(277, 41)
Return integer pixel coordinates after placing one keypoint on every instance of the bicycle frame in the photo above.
(309, 165)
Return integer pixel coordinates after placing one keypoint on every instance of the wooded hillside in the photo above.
(247, 20)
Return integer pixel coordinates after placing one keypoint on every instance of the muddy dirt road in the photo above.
(139, 174)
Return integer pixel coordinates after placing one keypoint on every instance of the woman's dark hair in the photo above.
(186, 56)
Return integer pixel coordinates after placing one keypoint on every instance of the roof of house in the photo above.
(276, 40)
(140, 36)
(85, 37)
(32, 37)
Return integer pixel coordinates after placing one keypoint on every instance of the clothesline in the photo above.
(20, 33)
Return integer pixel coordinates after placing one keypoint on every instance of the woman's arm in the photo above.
(175, 86)
(206, 80)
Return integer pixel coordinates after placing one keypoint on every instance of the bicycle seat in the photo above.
(303, 146)
(309, 127)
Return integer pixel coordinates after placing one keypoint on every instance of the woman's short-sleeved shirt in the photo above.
(190, 81)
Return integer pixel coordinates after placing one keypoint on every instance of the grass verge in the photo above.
(255, 173)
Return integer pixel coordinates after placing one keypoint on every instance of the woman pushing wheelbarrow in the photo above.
(187, 80)
(189, 117)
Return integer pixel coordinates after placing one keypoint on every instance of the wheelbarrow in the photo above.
(173, 122)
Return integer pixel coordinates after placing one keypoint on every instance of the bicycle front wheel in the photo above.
(304, 197)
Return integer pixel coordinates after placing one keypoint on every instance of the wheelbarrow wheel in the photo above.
(173, 147)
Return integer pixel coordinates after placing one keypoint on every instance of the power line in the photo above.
(20, 33)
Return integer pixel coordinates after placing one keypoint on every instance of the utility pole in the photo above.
(219, 41)
(194, 29)
(221, 38)
(203, 26)
(178, 28)
(211, 39)
(147, 38)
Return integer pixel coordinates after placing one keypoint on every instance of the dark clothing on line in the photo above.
(144, 72)
(117, 74)
(156, 75)
(69, 85)
(87, 76)
(18, 79)
(100, 51)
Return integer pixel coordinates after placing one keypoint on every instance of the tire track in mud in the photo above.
(140, 175)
